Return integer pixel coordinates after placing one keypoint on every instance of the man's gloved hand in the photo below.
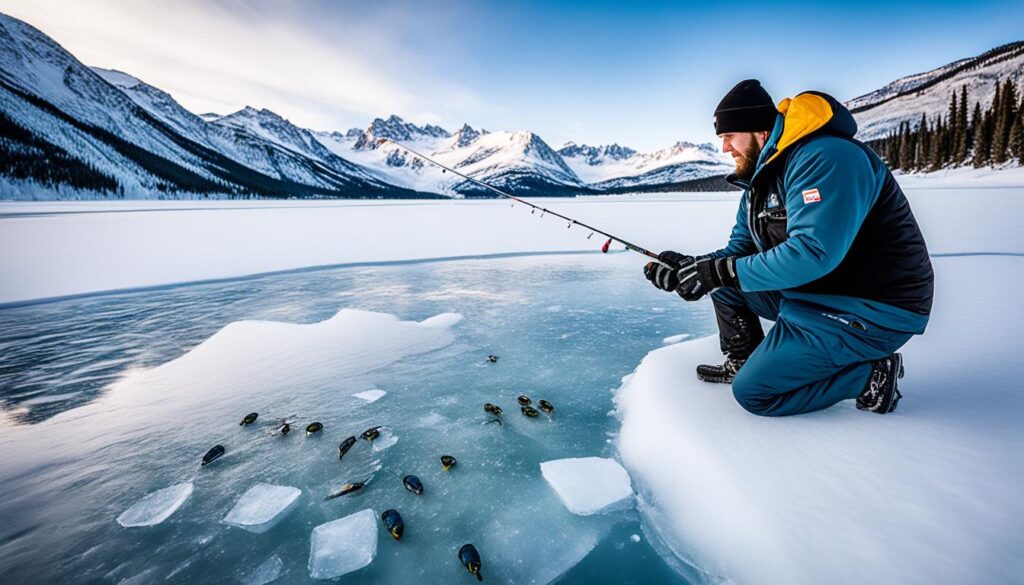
(699, 277)
(663, 275)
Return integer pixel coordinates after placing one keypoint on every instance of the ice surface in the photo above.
(156, 507)
(262, 507)
(588, 485)
(268, 571)
(370, 395)
(928, 494)
(675, 338)
(344, 545)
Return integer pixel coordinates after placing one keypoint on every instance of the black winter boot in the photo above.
(740, 334)
(881, 393)
(722, 374)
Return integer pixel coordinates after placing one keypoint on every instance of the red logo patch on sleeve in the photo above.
(812, 196)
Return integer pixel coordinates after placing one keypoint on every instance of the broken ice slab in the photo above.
(344, 545)
(268, 571)
(262, 507)
(370, 395)
(588, 485)
(156, 507)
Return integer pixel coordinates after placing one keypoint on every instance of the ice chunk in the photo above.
(675, 338)
(385, 440)
(370, 395)
(156, 507)
(518, 548)
(344, 545)
(268, 571)
(262, 507)
(588, 485)
(442, 321)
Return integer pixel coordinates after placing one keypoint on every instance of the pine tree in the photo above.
(975, 125)
(923, 145)
(937, 150)
(905, 156)
(1005, 114)
(983, 141)
(1016, 141)
(960, 150)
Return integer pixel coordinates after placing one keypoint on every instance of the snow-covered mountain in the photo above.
(520, 162)
(74, 126)
(617, 167)
(109, 130)
(880, 112)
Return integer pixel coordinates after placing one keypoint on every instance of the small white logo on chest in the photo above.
(811, 196)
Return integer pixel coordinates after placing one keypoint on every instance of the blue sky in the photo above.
(643, 74)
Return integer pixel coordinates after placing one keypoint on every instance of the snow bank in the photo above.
(262, 507)
(929, 494)
(444, 320)
(342, 546)
(156, 507)
(249, 359)
(588, 485)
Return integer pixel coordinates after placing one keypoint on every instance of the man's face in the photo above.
(744, 147)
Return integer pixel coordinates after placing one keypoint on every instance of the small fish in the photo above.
(213, 454)
(348, 488)
(494, 420)
(284, 429)
(546, 406)
(371, 434)
(524, 400)
(470, 558)
(447, 461)
(345, 446)
(529, 411)
(492, 409)
(413, 484)
(314, 427)
(393, 522)
(249, 419)
(492, 358)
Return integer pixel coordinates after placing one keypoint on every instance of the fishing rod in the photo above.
(534, 207)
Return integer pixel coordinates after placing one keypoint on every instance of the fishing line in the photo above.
(533, 207)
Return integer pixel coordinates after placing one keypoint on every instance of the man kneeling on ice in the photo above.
(824, 244)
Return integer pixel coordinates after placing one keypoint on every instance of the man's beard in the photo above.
(746, 163)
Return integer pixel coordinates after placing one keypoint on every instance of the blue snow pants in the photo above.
(811, 359)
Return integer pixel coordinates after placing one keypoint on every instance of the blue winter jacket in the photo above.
(824, 221)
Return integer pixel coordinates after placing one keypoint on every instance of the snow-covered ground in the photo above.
(927, 495)
(930, 494)
(67, 248)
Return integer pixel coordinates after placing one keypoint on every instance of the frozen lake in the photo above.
(566, 329)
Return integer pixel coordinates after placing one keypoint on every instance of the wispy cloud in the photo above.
(220, 56)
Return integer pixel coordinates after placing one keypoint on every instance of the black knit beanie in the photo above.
(746, 108)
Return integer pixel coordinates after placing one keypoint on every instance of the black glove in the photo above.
(662, 274)
(699, 277)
